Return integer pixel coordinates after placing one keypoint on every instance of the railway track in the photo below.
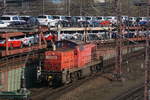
(136, 93)
(55, 92)
(52, 94)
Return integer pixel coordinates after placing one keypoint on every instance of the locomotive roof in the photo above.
(64, 49)
(66, 45)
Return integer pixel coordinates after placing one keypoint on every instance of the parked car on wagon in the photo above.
(124, 18)
(112, 19)
(60, 20)
(28, 40)
(105, 23)
(82, 22)
(49, 36)
(12, 43)
(8, 19)
(143, 21)
(93, 21)
(52, 20)
(30, 21)
(101, 18)
(146, 19)
(3, 25)
(45, 20)
(133, 20)
(72, 21)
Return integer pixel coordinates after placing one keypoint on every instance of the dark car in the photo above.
(143, 23)
(72, 21)
(17, 24)
(93, 21)
(27, 22)
(82, 22)
(129, 35)
(60, 20)
(30, 21)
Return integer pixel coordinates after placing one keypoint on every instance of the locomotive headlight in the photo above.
(38, 71)
(49, 77)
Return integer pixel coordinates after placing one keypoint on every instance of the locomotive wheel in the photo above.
(68, 78)
(76, 75)
(98, 68)
(79, 74)
(73, 76)
(93, 69)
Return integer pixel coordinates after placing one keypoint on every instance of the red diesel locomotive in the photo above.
(70, 61)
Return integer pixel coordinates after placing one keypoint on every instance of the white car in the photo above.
(112, 19)
(3, 25)
(28, 40)
(101, 18)
(8, 19)
(80, 18)
(48, 20)
(60, 20)
(44, 19)
(12, 43)
(143, 19)
(67, 36)
(55, 20)
(124, 18)
(133, 19)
